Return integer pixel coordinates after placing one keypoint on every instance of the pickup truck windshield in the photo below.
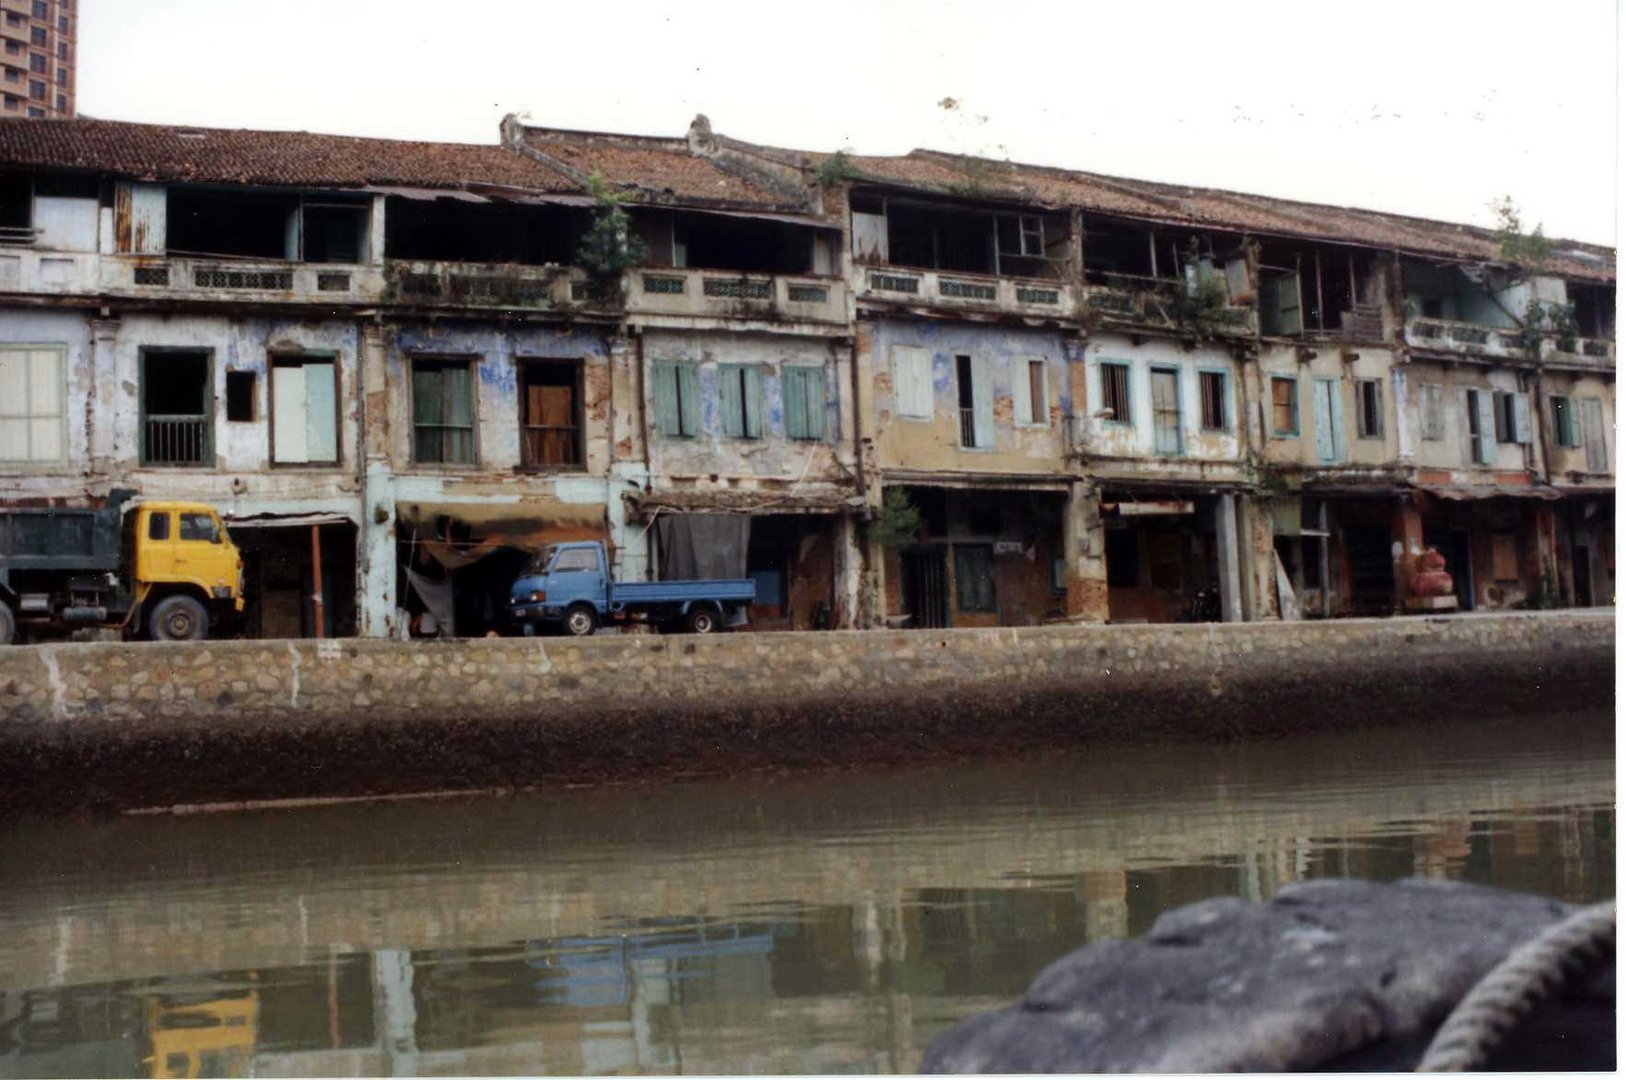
(539, 565)
(576, 559)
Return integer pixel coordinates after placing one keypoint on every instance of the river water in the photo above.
(828, 923)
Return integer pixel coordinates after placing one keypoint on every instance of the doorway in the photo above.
(924, 586)
(1582, 560)
(1458, 551)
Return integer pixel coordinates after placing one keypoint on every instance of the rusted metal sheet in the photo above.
(139, 217)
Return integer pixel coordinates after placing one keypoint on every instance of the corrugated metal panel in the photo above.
(140, 214)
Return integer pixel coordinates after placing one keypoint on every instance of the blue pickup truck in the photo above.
(568, 587)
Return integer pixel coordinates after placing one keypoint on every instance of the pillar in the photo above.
(1230, 559)
(375, 581)
(1408, 544)
(1084, 542)
(101, 403)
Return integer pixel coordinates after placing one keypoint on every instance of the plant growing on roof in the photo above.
(1527, 251)
(1200, 302)
(898, 524)
(608, 249)
(1541, 319)
(836, 168)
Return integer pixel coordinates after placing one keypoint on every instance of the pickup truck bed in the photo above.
(677, 592)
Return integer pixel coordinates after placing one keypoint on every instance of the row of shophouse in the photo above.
(923, 390)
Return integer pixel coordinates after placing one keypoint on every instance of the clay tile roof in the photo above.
(659, 170)
(165, 152)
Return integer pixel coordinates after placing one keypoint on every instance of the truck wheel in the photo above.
(701, 621)
(178, 618)
(581, 621)
(8, 624)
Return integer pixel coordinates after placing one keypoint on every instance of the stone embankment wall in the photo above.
(118, 725)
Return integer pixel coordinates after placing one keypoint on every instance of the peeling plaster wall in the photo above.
(1110, 439)
(1450, 452)
(1277, 360)
(907, 443)
(1565, 459)
(774, 456)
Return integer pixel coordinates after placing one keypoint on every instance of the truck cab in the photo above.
(183, 551)
(562, 585)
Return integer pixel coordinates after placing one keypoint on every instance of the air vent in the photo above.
(1037, 296)
(152, 275)
(966, 290)
(276, 280)
(894, 283)
(739, 289)
(807, 294)
(333, 282)
(668, 286)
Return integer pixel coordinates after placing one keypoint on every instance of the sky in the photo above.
(1425, 107)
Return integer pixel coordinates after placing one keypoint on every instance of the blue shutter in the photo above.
(793, 391)
(753, 402)
(688, 398)
(813, 400)
(666, 402)
(731, 400)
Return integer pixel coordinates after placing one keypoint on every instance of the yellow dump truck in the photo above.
(166, 569)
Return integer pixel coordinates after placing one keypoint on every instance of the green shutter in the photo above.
(731, 400)
(811, 400)
(666, 399)
(794, 392)
(753, 402)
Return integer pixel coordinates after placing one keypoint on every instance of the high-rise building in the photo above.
(38, 57)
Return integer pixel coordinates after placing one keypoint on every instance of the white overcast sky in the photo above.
(1428, 107)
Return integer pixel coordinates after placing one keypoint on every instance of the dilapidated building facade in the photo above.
(921, 391)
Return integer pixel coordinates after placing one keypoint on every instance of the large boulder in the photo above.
(1343, 975)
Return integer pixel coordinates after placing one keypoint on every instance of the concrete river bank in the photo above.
(129, 725)
(804, 922)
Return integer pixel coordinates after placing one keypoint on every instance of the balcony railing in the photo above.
(1446, 335)
(721, 294)
(1159, 302)
(176, 440)
(971, 292)
(239, 279)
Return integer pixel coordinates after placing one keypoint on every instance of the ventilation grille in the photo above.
(669, 286)
(243, 279)
(737, 289)
(807, 294)
(333, 282)
(152, 275)
(894, 283)
(966, 290)
(1037, 296)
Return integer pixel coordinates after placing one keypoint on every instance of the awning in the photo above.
(457, 534)
(286, 521)
(743, 502)
(1474, 492)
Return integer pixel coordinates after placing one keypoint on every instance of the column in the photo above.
(101, 405)
(375, 583)
(1084, 542)
(1230, 558)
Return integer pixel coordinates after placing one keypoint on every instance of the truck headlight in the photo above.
(221, 592)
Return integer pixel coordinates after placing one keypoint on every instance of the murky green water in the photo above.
(830, 923)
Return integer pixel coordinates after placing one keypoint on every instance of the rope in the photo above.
(1514, 987)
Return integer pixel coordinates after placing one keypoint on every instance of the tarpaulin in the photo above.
(437, 597)
(703, 545)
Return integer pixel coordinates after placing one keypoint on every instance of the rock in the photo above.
(1328, 974)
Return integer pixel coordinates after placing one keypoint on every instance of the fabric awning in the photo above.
(743, 502)
(1470, 492)
(286, 521)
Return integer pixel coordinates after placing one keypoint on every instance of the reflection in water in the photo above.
(826, 923)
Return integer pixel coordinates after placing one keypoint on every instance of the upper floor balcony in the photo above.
(970, 293)
(1514, 346)
(1167, 304)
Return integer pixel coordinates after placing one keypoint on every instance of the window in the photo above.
(304, 411)
(177, 407)
(1166, 434)
(1512, 417)
(199, 527)
(802, 392)
(739, 395)
(33, 405)
(1431, 411)
(240, 395)
(550, 425)
(62, 23)
(158, 527)
(1021, 235)
(13, 75)
(1564, 433)
(36, 113)
(974, 577)
(443, 412)
(62, 76)
(333, 233)
(14, 48)
(1477, 405)
(1212, 387)
(61, 50)
(42, 10)
(1592, 426)
(912, 381)
(13, 19)
(1115, 393)
(1031, 390)
(677, 399)
(975, 401)
(62, 103)
(1281, 307)
(36, 89)
(1368, 409)
(575, 561)
(1284, 406)
(36, 64)
(37, 36)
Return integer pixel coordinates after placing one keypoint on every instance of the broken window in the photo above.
(676, 389)
(1114, 252)
(177, 402)
(240, 387)
(739, 399)
(1594, 309)
(1281, 306)
(974, 397)
(450, 230)
(304, 410)
(1211, 384)
(1368, 409)
(1431, 408)
(550, 425)
(974, 577)
(1115, 393)
(1512, 416)
(935, 240)
(443, 412)
(802, 396)
(1166, 434)
(719, 242)
(912, 381)
(238, 223)
(33, 405)
(1284, 405)
(1031, 390)
(1564, 426)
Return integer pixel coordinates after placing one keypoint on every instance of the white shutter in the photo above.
(14, 405)
(1521, 418)
(1021, 391)
(45, 406)
(982, 402)
(321, 441)
(289, 435)
(912, 381)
